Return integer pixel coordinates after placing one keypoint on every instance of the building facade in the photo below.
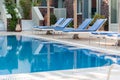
(85, 8)
(88, 8)
(114, 15)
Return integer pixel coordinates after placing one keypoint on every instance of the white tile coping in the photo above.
(99, 73)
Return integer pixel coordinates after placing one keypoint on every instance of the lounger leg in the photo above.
(32, 31)
(118, 42)
(61, 34)
(105, 41)
(89, 38)
(98, 40)
(53, 34)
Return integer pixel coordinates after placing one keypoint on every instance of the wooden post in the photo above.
(75, 13)
(75, 36)
(48, 12)
(118, 41)
(48, 16)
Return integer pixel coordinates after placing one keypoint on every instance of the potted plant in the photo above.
(18, 27)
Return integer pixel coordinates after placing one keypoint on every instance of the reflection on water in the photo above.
(3, 46)
(19, 54)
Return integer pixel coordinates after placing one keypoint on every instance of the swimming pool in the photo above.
(20, 54)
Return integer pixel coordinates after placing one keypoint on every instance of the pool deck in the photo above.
(100, 73)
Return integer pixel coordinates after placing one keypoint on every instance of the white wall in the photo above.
(26, 25)
(4, 14)
(113, 26)
(60, 12)
(119, 13)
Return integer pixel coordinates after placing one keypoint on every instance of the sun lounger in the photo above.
(58, 27)
(82, 26)
(107, 35)
(104, 33)
(115, 37)
(59, 21)
(64, 24)
(96, 26)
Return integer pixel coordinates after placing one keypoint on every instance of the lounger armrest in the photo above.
(58, 28)
(58, 25)
(55, 25)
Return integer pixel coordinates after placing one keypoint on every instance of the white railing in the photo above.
(60, 12)
(4, 14)
(36, 16)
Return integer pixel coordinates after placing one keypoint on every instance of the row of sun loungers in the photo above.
(62, 23)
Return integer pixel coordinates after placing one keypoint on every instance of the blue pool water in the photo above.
(19, 54)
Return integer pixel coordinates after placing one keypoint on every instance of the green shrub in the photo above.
(71, 25)
(97, 16)
(52, 19)
(26, 6)
(10, 5)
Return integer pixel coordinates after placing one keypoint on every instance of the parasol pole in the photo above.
(75, 13)
(48, 12)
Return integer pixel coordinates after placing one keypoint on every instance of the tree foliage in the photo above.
(52, 19)
(26, 6)
(97, 16)
(11, 10)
